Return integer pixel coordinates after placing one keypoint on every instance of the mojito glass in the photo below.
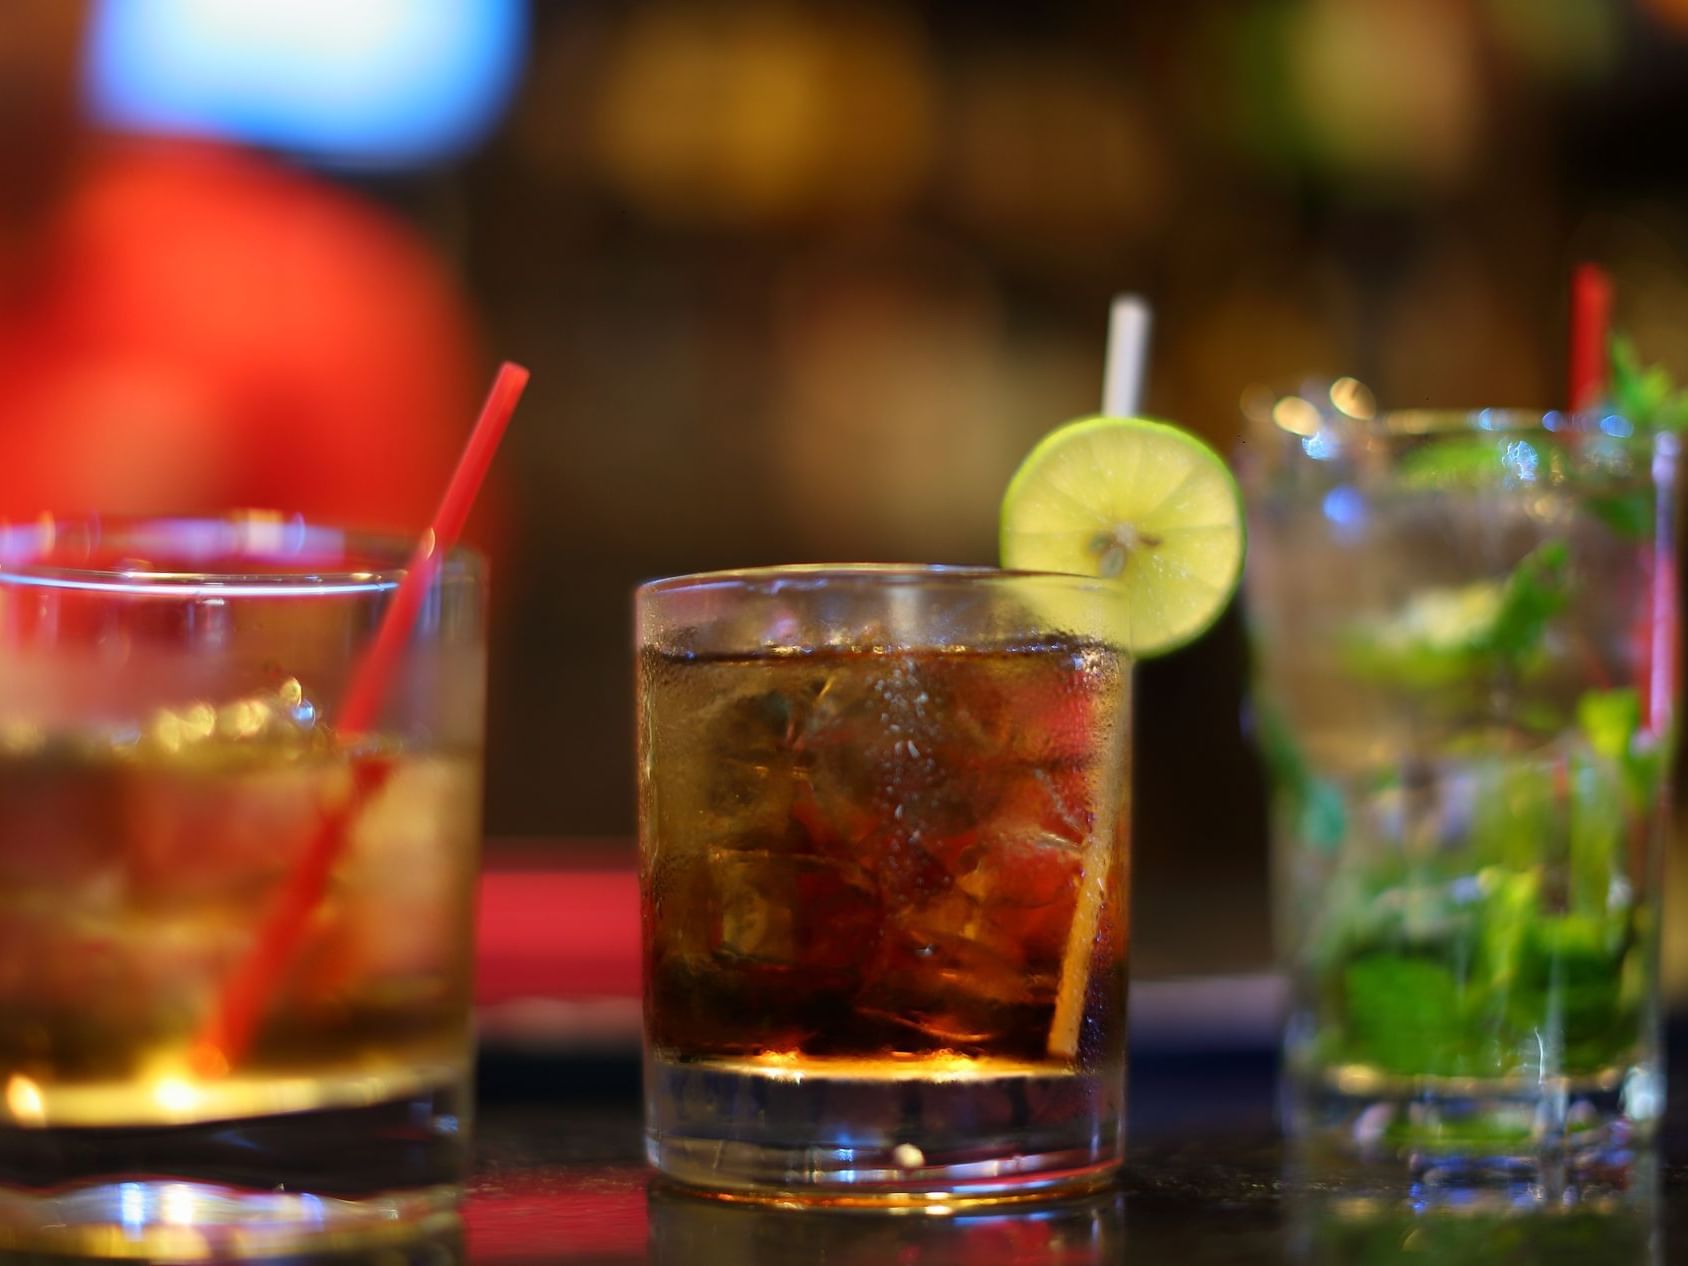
(1465, 635)
(169, 766)
(883, 839)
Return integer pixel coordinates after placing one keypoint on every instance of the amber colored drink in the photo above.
(168, 762)
(132, 886)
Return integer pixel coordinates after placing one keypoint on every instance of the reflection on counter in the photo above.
(441, 1243)
(692, 1231)
(1612, 1219)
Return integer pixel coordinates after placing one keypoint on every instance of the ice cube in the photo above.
(954, 988)
(780, 909)
(395, 912)
(893, 758)
(283, 716)
(741, 762)
(219, 799)
(224, 835)
(1057, 800)
(1025, 882)
(967, 963)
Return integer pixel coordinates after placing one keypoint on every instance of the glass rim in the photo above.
(1596, 451)
(268, 539)
(801, 576)
(1501, 420)
(1431, 421)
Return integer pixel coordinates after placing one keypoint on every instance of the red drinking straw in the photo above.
(226, 1036)
(1591, 321)
(1654, 637)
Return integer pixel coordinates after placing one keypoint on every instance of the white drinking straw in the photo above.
(1122, 392)
(1128, 356)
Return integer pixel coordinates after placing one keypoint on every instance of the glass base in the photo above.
(1474, 1132)
(886, 1134)
(303, 1183)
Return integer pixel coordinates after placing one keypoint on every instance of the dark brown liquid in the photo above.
(863, 854)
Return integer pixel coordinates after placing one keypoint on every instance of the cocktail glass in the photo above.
(1465, 637)
(168, 761)
(883, 838)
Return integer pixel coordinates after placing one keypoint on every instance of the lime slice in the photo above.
(1139, 502)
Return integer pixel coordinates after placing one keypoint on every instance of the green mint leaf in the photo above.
(1572, 968)
(1510, 900)
(1515, 815)
(1610, 720)
(1630, 515)
(1645, 395)
(1627, 386)
(1444, 637)
(1534, 593)
(1403, 1013)
(1494, 1131)
(1645, 765)
(1597, 829)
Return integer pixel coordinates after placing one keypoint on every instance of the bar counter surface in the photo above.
(559, 1176)
(559, 1179)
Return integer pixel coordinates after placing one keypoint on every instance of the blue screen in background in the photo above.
(376, 84)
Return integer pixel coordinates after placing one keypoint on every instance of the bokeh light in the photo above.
(763, 111)
(373, 83)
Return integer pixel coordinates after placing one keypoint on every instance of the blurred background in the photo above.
(797, 282)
